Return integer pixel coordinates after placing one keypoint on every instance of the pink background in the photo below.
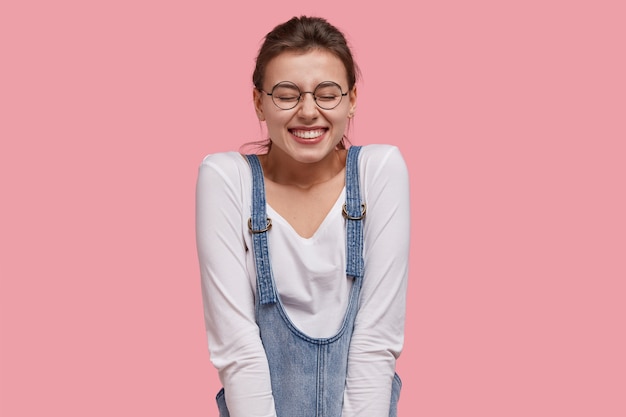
(512, 119)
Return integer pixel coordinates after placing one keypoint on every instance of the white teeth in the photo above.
(308, 134)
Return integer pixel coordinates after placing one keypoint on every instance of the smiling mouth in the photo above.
(308, 134)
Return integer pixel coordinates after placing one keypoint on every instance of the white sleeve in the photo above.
(228, 295)
(379, 328)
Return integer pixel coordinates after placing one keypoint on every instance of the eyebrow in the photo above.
(328, 82)
(287, 84)
(292, 85)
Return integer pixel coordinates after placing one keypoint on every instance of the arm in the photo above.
(228, 295)
(379, 328)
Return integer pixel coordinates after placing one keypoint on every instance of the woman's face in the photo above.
(306, 133)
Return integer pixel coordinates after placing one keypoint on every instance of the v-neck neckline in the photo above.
(336, 208)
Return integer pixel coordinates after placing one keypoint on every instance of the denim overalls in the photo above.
(308, 374)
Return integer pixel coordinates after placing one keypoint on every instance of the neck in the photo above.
(282, 169)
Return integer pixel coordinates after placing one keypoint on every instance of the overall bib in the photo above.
(307, 374)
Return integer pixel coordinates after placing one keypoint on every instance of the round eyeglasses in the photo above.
(286, 95)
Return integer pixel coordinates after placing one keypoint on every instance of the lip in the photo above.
(308, 141)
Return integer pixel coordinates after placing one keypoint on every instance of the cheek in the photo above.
(274, 120)
(341, 121)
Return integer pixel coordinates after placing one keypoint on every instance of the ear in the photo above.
(352, 96)
(257, 98)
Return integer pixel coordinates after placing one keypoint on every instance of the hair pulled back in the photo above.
(303, 34)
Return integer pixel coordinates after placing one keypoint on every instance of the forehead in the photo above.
(306, 69)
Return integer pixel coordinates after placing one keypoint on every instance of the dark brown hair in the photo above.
(303, 34)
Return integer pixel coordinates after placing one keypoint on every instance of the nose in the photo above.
(308, 107)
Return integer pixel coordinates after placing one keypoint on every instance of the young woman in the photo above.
(304, 248)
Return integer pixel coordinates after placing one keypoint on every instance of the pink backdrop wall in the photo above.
(511, 116)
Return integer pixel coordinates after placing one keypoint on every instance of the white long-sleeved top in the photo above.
(310, 278)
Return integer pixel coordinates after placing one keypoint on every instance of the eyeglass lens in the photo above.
(286, 95)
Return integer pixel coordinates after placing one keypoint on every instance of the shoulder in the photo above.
(227, 165)
(383, 173)
(224, 160)
(224, 171)
(375, 159)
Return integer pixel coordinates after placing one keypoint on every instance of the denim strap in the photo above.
(259, 224)
(354, 212)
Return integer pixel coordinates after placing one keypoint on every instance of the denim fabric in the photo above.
(307, 374)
